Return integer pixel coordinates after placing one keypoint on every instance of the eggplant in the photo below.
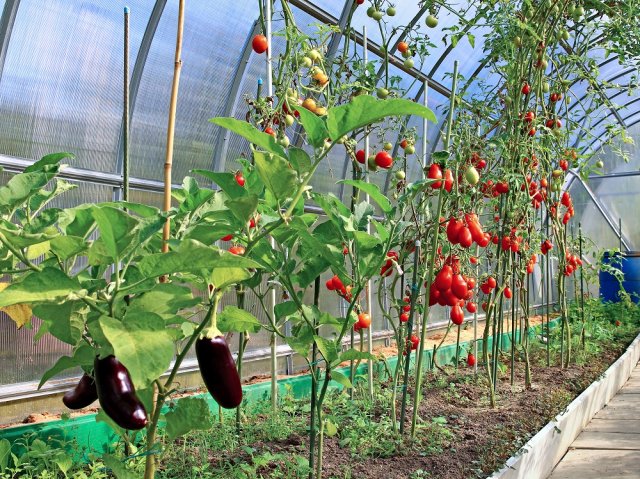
(82, 395)
(117, 395)
(219, 371)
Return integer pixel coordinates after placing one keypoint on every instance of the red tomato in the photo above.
(526, 88)
(329, 284)
(448, 180)
(384, 159)
(473, 259)
(237, 250)
(403, 47)
(464, 237)
(239, 178)
(364, 320)
(361, 157)
(471, 360)
(444, 278)
(259, 44)
(472, 307)
(404, 317)
(337, 283)
(435, 173)
(453, 230)
(459, 286)
(507, 293)
(457, 315)
(269, 131)
(491, 281)
(227, 238)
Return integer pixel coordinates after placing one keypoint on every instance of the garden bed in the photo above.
(460, 436)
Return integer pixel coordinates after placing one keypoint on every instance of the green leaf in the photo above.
(226, 181)
(243, 208)
(192, 257)
(383, 232)
(438, 156)
(224, 277)
(82, 356)
(48, 160)
(284, 309)
(365, 241)
(64, 321)
(141, 342)
(472, 40)
(340, 378)
(314, 126)
(355, 355)
(77, 221)
(276, 174)
(64, 247)
(50, 284)
(364, 110)
(330, 428)
(300, 160)
(115, 229)
(328, 348)
(373, 191)
(5, 454)
(237, 320)
(118, 468)
(20, 187)
(165, 299)
(250, 133)
(190, 414)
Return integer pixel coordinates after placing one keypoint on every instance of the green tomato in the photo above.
(388, 146)
(400, 175)
(600, 164)
(371, 163)
(284, 141)
(410, 150)
(517, 41)
(471, 175)
(407, 54)
(382, 93)
(431, 21)
(564, 34)
(579, 12)
(377, 15)
(288, 120)
(546, 87)
(391, 11)
(370, 11)
(408, 63)
(306, 62)
(315, 55)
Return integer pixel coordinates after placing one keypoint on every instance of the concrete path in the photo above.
(609, 447)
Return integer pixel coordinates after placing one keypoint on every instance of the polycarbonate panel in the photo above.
(23, 360)
(595, 229)
(621, 197)
(613, 162)
(208, 67)
(332, 7)
(61, 87)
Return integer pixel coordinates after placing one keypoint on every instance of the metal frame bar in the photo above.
(604, 211)
(222, 145)
(623, 174)
(6, 28)
(138, 69)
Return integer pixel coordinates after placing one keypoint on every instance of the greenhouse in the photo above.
(339, 239)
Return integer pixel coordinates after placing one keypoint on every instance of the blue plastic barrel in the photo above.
(629, 263)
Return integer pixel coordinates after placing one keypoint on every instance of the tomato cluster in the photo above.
(466, 232)
(335, 284)
(450, 288)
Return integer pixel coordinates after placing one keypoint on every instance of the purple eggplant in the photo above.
(117, 394)
(82, 395)
(219, 371)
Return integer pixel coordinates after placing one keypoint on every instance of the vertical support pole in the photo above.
(368, 287)
(274, 337)
(125, 113)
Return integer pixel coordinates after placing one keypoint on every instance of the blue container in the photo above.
(629, 264)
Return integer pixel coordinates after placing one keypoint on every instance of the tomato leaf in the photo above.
(226, 181)
(314, 126)
(373, 191)
(190, 414)
(300, 160)
(328, 348)
(355, 355)
(238, 320)
(364, 110)
(252, 134)
(277, 175)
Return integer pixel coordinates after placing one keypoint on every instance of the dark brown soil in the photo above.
(481, 438)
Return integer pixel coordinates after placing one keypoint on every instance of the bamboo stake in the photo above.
(171, 127)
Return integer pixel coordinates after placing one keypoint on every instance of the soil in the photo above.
(481, 438)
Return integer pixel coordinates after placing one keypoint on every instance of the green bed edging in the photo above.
(97, 437)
